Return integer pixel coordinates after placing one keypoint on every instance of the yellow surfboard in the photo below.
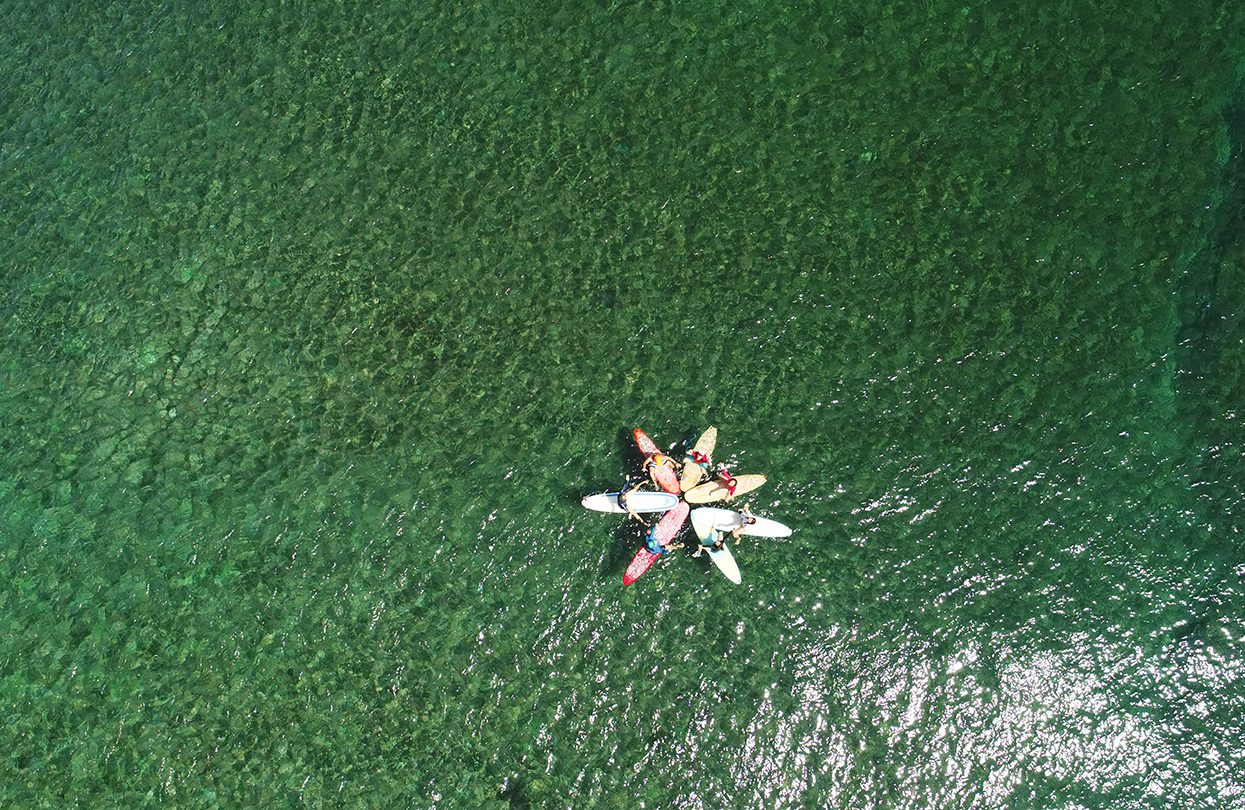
(693, 472)
(715, 490)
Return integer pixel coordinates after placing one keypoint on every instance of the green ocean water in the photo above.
(317, 320)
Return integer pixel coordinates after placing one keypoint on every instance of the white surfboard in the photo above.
(638, 501)
(706, 535)
(725, 561)
(729, 520)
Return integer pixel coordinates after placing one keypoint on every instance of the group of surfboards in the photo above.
(680, 486)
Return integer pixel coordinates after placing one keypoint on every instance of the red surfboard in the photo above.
(663, 476)
(663, 532)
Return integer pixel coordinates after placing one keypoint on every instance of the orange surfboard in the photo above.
(662, 475)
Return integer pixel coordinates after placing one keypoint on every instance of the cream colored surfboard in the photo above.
(715, 490)
(693, 472)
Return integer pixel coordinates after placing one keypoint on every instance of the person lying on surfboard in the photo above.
(748, 518)
(700, 459)
(622, 502)
(654, 547)
(659, 460)
(715, 543)
(729, 481)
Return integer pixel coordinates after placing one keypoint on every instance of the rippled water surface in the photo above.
(316, 321)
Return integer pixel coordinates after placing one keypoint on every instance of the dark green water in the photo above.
(318, 319)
